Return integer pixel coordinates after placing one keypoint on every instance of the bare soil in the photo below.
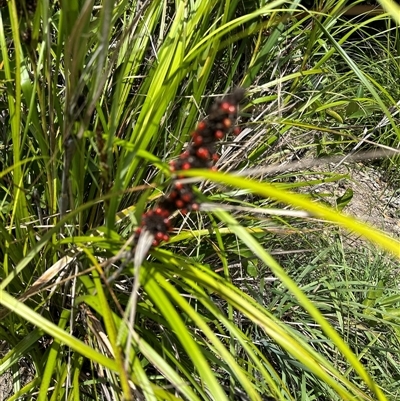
(374, 201)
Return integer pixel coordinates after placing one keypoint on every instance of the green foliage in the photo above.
(96, 98)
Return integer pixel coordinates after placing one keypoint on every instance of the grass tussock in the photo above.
(263, 293)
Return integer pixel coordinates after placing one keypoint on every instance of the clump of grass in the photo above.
(96, 99)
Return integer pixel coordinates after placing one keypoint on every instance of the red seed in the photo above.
(165, 213)
(198, 140)
(203, 153)
(159, 236)
(214, 168)
(227, 123)
(195, 206)
(165, 237)
(179, 204)
(236, 131)
(215, 157)
(202, 126)
(186, 166)
(232, 109)
(219, 134)
(187, 197)
(178, 185)
(155, 242)
(225, 106)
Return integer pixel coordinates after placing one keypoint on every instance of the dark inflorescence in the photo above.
(200, 153)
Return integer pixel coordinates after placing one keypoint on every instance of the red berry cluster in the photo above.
(200, 153)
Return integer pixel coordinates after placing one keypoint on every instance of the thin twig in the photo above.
(305, 164)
